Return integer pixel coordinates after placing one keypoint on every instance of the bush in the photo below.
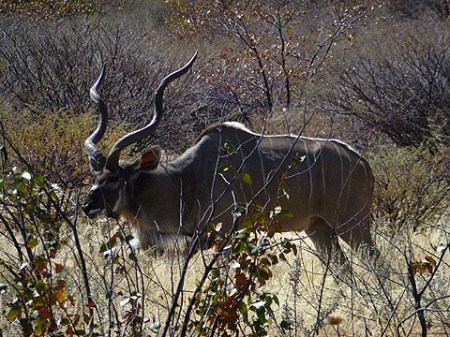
(49, 66)
(412, 187)
(417, 9)
(51, 143)
(401, 90)
(273, 48)
(47, 9)
(33, 276)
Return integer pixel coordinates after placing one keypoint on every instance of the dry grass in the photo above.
(310, 295)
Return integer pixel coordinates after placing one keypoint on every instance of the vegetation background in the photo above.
(375, 74)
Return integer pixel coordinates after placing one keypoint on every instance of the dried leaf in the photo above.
(431, 260)
(333, 320)
(59, 267)
(44, 313)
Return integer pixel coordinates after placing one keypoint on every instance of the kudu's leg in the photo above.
(326, 242)
(360, 240)
(357, 235)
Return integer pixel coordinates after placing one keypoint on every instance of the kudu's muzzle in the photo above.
(88, 210)
(92, 208)
(97, 207)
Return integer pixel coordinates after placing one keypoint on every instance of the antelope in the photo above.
(325, 185)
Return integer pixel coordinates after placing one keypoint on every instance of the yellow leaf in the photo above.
(60, 297)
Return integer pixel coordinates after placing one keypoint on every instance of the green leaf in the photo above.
(261, 313)
(230, 148)
(246, 178)
(14, 313)
(276, 300)
(53, 195)
(284, 189)
(27, 327)
(41, 326)
(41, 286)
(297, 159)
(252, 248)
(285, 325)
(287, 213)
(243, 308)
(65, 321)
(223, 167)
(21, 187)
(32, 242)
(38, 179)
(241, 235)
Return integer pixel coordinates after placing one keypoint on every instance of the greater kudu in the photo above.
(325, 185)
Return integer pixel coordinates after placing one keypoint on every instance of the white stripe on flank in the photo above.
(322, 172)
(308, 162)
(263, 168)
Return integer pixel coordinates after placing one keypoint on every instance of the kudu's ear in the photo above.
(149, 159)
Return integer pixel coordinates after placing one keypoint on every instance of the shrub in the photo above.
(412, 186)
(420, 8)
(52, 143)
(401, 89)
(273, 48)
(49, 66)
(47, 9)
(38, 294)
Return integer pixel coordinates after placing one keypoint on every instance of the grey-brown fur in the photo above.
(329, 188)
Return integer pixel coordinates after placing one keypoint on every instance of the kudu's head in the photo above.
(113, 179)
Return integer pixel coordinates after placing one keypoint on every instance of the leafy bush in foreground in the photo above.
(33, 246)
